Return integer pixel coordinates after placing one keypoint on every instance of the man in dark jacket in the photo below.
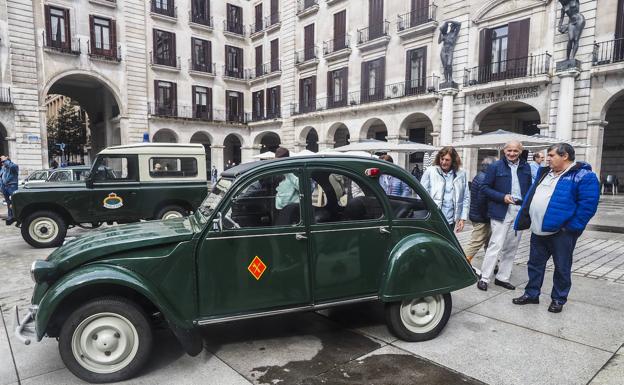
(557, 208)
(506, 182)
(478, 212)
(10, 179)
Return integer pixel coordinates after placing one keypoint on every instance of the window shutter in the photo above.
(92, 35)
(68, 38)
(330, 88)
(157, 101)
(518, 47)
(308, 42)
(485, 47)
(174, 58)
(408, 67)
(301, 98)
(196, 109)
(154, 46)
(48, 26)
(364, 82)
(241, 107)
(313, 92)
(209, 102)
(275, 55)
(381, 77)
(113, 38)
(208, 54)
(423, 81)
(340, 25)
(344, 74)
(174, 99)
(259, 17)
(259, 60)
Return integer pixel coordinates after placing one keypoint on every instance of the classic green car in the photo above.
(274, 237)
(125, 184)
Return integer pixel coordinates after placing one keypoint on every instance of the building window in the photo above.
(234, 106)
(258, 105)
(337, 81)
(164, 48)
(373, 78)
(201, 11)
(233, 61)
(416, 70)
(103, 36)
(57, 28)
(273, 103)
(202, 55)
(275, 64)
(499, 49)
(163, 7)
(234, 22)
(504, 51)
(202, 103)
(166, 98)
(307, 94)
(258, 25)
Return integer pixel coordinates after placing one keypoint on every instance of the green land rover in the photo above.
(274, 237)
(125, 184)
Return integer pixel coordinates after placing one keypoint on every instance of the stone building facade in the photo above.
(243, 76)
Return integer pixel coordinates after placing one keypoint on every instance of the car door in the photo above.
(258, 259)
(114, 189)
(349, 234)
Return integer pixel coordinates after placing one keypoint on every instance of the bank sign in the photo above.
(506, 95)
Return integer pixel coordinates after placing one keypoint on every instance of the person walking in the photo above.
(10, 179)
(538, 159)
(393, 185)
(506, 182)
(557, 209)
(448, 186)
(417, 172)
(213, 175)
(481, 230)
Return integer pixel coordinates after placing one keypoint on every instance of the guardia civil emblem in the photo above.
(112, 201)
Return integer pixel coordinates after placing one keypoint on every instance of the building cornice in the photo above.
(481, 15)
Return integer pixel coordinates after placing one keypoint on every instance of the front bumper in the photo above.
(25, 328)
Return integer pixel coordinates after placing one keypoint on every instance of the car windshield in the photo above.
(215, 195)
(37, 175)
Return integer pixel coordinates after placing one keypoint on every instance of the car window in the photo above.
(404, 200)
(337, 197)
(269, 201)
(173, 167)
(60, 176)
(80, 174)
(112, 168)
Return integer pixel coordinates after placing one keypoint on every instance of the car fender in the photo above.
(113, 275)
(424, 264)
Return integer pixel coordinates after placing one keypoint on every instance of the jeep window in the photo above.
(115, 168)
(337, 197)
(60, 176)
(405, 201)
(269, 201)
(173, 167)
(215, 195)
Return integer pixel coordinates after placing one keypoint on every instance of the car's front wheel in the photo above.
(419, 319)
(44, 229)
(170, 212)
(106, 340)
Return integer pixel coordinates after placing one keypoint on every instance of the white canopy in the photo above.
(497, 140)
(371, 145)
(303, 153)
(265, 155)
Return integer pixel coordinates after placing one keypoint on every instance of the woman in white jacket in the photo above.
(448, 186)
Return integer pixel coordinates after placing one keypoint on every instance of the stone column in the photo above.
(325, 146)
(400, 159)
(595, 139)
(565, 106)
(446, 132)
(544, 129)
(216, 156)
(248, 153)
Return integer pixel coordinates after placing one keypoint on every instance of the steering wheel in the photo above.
(229, 220)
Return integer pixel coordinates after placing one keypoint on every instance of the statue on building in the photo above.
(574, 28)
(448, 37)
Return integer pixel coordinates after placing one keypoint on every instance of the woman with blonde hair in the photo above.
(448, 186)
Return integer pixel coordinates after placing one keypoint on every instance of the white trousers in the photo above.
(503, 246)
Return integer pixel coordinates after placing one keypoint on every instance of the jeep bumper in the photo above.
(25, 328)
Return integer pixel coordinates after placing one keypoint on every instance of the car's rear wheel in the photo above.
(171, 211)
(106, 340)
(419, 319)
(44, 229)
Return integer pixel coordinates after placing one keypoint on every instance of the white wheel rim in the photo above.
(171, 214)
(423, 314)
(43, 229)
(105, 343)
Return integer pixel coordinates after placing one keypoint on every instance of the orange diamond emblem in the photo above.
(257, 268)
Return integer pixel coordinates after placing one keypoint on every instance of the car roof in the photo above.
(244, 168)
(71, 168)
(157, 149)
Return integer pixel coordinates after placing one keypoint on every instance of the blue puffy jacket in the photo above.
(573, 203)
(10, 174)
(497, 184)
(478, 200)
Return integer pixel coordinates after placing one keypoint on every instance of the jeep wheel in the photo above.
(419, 319)
(44, 229)
(106, 340)
(173, 211)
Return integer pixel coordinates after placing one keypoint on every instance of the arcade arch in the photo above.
(268, 141)
(204, 139)
(374, 129)
(232, 150)
(165, 135)
(612, 162)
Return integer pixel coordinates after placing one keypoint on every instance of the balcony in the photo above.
(536, 67)
(256, 29)
(233, 74)
(265, 71)
(272, 22)
(5, 97)
(187, 112)
(71, 47)
(168, 64)
(201, 22)
(337, 48)
(332, 2)
(105, 53)
(306, 58)
(374, 36)
(236, 30)
(418, 22)
(255, 118)
(416, 87)
(307, 7)
(164, 10)
(608, 56)
(241, 118)
(201, 69)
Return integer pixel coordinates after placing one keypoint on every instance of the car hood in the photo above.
(109, 241)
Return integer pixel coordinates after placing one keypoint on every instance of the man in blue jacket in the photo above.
(506, 182)
(557, 208)
(10, 178)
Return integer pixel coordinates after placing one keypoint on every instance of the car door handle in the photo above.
(300, 237)
(384, 230)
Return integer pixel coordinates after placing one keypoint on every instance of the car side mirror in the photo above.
(217, 223)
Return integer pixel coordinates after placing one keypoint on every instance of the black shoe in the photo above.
(9, 222)
(482, 285)
(555, 307)
(525, 300)
(506, 285)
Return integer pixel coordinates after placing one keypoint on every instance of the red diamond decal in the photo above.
(257, 268)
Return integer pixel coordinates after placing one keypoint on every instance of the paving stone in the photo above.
(613, 371)
(7, 368)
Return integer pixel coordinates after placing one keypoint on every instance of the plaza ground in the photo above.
(487, 340)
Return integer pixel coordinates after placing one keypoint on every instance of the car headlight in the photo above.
(41, 271)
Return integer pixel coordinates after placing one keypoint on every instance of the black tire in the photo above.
(43, 229)
(169, 209)
(409, 320)
(113, 315)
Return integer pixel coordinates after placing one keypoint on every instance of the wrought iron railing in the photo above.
(104, 52)
(256, 27)
(233, 72)
(165, 8)
(337, 44)
(310, 53)
(196, 112)
(373, 32)
(5, 96)
(242, 118)
(608, 52)
(264, 69)
(417, 17)
(208, 68)
(201, 19)
(173, 62)
(71, 46)
(303, 5)
(527, 66)
(413, 87)
(235, 28)
(271, 20)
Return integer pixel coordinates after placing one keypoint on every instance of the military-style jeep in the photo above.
(272, 237)
(125, 184)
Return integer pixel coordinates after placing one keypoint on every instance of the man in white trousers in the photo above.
(506, 182)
